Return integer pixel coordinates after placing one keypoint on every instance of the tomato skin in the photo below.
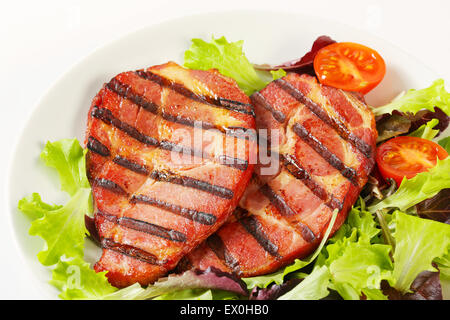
(349, 66)
(407, 156)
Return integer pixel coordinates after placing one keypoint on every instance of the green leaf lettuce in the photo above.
(414, 100)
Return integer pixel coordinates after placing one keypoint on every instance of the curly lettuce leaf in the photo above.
(63, 229)
(417, 243)
(423, 186)
(228, 58)
(34, 207)
(356, 258)
(68, 158)
(415, 100)
(313, 287)
(78, 281)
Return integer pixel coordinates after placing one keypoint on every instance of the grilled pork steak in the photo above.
(168, 160)
(325, 148)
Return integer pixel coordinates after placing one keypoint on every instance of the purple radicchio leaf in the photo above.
(305, 63)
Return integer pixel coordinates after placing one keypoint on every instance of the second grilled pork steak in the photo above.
(325, 148)
(168, 160)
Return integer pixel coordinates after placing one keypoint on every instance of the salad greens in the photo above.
(384, 242)
(63, 227)
(417, 243)
(426, 131)
(356, 257)
(230, 60)
(415, 100)
(423, 186)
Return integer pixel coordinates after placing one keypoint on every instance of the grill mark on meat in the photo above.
(110, 185)
(258, 99)
(127, 92)
(236, 132)
(145, 227)
(337, 125)
(170, 177)
(233, 162)
(216, 244)
(181, 89)
(106, 116)
(131, 251)
(283, 208)
(194, 215)
(293, 167)
(96, 146)
(130, 165)
(325, 153)
(254, 228)
(189, 182)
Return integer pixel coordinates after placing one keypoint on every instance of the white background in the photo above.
(40, 40)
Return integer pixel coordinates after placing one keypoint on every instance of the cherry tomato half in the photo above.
(349, 66)
(407, 156)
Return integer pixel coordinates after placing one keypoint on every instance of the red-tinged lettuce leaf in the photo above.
(274, 291)
(422, 118)
(399, 123)
(89, 222)
(436, 208)
(211, 278)
(426, 286)
(305, 63)
(392, 125)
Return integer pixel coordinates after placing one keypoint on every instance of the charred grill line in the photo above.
(233, 162)
(110, 185)
(130, 165)
(254, 227)
(194, 215)
(283, 208)
(181, 89)
(237, 132)
(258, 99)
(126, 92)
(325, 153)
(106, 116)
(337, 125)
(96, 146)
(240, 213)
(130, 251)
(294, 168)
(216, 244)
(145, 227)
(189, 182)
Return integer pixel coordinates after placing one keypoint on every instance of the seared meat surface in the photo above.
(323, 140)
(168, 161)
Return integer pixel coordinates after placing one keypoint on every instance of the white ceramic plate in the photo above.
(268, 38)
